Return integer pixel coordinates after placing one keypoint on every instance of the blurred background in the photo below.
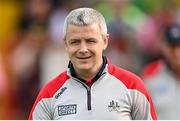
(32, 50)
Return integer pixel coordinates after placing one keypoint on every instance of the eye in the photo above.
(74, 41)
(91, 40)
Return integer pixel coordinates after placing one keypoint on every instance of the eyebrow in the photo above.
(75, 39)
(91, 39)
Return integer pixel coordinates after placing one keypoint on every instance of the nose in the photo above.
(83, 48)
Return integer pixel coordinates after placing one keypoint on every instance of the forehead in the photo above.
(81, 31)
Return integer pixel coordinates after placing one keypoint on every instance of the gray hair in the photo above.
(84, 17)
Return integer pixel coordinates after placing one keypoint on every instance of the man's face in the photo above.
(176, 51)
(172, 55)
(85, 45)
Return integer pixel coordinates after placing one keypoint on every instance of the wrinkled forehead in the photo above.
(92, 25)
(92, 29)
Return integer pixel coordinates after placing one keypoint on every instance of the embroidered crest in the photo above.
(114, 106)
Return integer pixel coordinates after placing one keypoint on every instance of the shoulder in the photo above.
(129, 79)
(53, 85)
(50, 89)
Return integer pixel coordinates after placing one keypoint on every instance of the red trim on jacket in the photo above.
(131, 81)
(50, 89)
(151, 69)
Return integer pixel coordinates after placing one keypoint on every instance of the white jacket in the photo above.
(114, 94)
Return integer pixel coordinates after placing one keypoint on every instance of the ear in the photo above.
(106, 40)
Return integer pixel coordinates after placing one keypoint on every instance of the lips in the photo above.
(84, 57)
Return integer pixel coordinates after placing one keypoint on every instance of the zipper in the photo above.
(88, 93)
(89, 98)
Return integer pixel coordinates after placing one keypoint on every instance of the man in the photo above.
(91, 88)
(163, 75)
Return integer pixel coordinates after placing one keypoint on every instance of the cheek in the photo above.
(70, 50)
(177, 53)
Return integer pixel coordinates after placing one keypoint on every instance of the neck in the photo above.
(86, 75)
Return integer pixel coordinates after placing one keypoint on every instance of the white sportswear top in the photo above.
(114, 94)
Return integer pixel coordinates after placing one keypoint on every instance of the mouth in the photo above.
(84, 57)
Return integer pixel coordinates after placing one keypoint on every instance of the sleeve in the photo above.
(41, 109)
(142, 108)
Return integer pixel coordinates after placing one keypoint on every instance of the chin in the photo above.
(84, 67)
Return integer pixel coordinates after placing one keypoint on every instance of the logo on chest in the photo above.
(61, 92)
(67, 109)
(114, 106)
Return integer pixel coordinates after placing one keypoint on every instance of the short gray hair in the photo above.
(84, 17)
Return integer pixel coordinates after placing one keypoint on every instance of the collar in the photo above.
(98, 75)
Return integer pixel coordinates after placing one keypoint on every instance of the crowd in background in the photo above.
(32, 49)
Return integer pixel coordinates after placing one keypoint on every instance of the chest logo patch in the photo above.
(61, 92)
(114, 106)
(67, 109)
